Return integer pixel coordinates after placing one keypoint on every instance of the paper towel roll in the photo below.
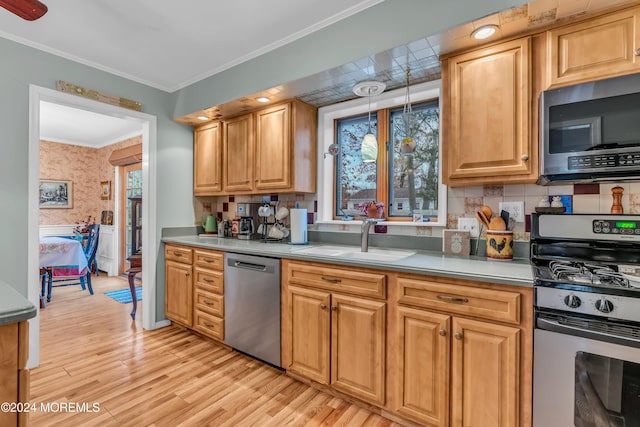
(298, 225)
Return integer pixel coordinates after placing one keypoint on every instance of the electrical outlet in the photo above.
(515, 209)
(469, 224)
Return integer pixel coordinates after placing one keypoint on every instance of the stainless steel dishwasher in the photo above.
(252, 306)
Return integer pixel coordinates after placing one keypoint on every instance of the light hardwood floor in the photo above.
(91, 352)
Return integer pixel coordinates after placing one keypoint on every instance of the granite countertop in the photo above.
(516, 272)
(13, 306)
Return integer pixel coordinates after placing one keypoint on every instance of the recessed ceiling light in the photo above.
(262, 99)
(484, 32)
(203, 118)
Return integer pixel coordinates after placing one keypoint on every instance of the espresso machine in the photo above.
(248, 214)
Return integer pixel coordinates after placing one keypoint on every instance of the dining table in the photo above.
(62, 257)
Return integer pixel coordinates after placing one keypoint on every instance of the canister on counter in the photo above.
(500, 245)
(234, 227)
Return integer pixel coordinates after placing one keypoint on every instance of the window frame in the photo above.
(326, 136)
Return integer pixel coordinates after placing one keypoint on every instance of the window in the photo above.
(406, 176)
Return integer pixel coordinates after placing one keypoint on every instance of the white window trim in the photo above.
(326, 117)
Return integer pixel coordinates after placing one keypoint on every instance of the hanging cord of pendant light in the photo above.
(407, 101)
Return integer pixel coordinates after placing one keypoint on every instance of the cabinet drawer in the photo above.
(213, 281)
(209, 259)
(490, 304)
(209, 302)
(208, 325)
(178, 254)
(369, 284)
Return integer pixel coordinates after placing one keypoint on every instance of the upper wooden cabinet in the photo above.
(598, 48)
(207, 159)
(486, 111)
(238, 154)
(270, 150)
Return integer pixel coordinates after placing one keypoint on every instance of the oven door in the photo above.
(585, 378)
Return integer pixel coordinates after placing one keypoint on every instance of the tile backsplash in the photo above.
(462, 202)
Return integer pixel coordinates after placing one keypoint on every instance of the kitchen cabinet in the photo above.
(238, 153)
(207, 160)
(464, 353)
(332, 333)
(208, 306)
(487, 115)
(14, 352)
(285, 148)
(179, 284)
(594, 49)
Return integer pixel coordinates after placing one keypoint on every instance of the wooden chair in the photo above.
(84, 280)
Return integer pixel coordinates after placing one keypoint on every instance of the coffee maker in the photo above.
(248, 214)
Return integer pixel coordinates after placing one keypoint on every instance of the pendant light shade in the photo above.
(369, 146)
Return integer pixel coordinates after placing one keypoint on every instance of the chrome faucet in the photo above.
(364, 233)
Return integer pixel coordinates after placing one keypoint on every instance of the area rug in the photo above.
(123, 296)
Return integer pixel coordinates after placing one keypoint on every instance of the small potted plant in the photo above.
(373, 209)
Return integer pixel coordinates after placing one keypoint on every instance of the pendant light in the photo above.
(369, 146)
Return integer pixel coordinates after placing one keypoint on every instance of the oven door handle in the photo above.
(553, 326)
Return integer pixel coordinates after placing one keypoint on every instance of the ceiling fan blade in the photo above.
(25, 9)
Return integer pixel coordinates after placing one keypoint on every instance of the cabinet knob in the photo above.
(323, 306)
(442, 332)
(458, 335)
(524, 157)
(334, 308)
(637, 52)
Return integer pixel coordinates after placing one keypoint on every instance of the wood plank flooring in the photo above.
(92, 353)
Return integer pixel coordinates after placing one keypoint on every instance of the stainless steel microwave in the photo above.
(590, 132)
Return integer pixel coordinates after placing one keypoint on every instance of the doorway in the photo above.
(148, 124)
(131, 179)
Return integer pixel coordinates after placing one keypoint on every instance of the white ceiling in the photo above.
(171, 44)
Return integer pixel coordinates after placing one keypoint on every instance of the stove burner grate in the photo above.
(587, 274)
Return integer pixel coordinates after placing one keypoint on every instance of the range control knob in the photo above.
(572, 301)
(603, 305)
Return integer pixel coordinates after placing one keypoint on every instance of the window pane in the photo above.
(413, 162)
(355, 179)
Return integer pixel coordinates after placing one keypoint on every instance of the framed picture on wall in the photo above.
(105, 193)
(56, 194)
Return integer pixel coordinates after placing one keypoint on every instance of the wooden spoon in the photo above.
(497, 224)
(482, 218)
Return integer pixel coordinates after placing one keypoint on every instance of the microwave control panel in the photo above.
(597, 161)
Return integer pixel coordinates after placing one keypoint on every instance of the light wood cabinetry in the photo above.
(598, 48)
(238, 154)
(464, 353)
(331, 333)
(207, 159)
(208, 313)
(179, 284)
(486, 111)
(14, 387)
(267, 151)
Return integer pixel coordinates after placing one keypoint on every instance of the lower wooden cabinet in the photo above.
(334, 338)
(179, 293)
(14, 387)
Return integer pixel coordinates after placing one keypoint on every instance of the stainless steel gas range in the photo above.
(587, 320)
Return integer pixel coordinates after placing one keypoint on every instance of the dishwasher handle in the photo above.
(249, 265)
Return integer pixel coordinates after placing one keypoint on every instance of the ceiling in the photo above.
(171, 38)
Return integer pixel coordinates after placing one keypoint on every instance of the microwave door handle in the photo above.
(554, 326)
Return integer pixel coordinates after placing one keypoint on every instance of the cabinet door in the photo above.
(484, 374)
(179, 293)
(238, 152)
(310, 328)
(486, 113)
(207, 160)
(273, 148)
(423, 389)
(358, 347)
(595, 49)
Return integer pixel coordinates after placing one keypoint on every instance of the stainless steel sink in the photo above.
(353, 252)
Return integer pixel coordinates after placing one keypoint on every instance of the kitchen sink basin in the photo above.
(351, 252)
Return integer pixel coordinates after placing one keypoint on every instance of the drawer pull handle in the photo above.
(453, 299)
(442, 332)
(209, 260)
(177, 253)
(323, 306)
(208, 325)
(458, 335)
(207, 302)
(206, 279)
(331, 279)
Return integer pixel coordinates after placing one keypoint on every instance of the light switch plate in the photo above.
(469, 224)
(515, 209)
